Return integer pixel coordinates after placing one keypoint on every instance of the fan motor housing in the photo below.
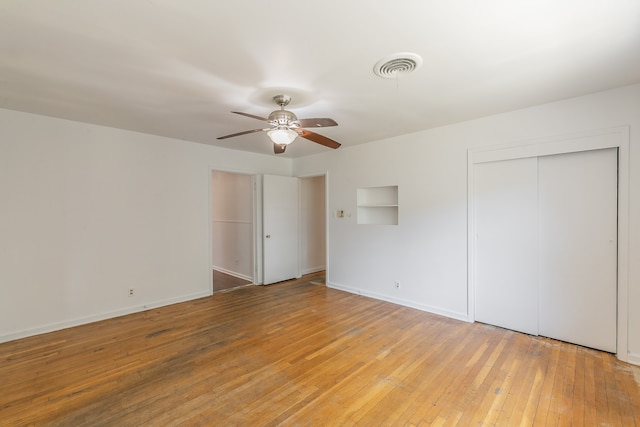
(282, 117)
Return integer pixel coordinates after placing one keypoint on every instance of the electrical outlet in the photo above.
(397, 285)
(131, 292)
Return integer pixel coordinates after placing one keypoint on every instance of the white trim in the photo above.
(51, 327)
(327, 217)
(210, 227)
(258, 263)
(572, 143)
(232, 273)
(582, 141)
(254, 227)
(623, 245)
(299, 227)
(403, 302)
(313, 270)
(634, 359)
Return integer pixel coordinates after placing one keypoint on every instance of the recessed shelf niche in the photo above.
(378, 205)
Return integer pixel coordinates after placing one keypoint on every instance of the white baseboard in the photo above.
(56, 326)
(429, 309)
(233, 273)
(634, 359)
(313, 270)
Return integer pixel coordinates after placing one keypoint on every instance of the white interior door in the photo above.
(280, 228)
(506, 271)
(578, 247)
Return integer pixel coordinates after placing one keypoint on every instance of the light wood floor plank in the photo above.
(298, 353)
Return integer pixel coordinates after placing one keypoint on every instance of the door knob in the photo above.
(268, 236)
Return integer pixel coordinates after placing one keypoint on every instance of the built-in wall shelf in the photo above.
(378, 205)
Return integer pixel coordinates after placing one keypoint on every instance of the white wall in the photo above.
(312, 224)
(232, 223)
(88, 212)
(427, 251)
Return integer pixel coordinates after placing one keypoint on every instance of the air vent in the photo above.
(397, 65)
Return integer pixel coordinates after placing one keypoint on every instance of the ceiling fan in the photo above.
(284, 127)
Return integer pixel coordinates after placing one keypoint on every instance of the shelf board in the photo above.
(378, 205)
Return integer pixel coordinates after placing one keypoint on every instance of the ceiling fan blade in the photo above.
(240, 133)
(250, 115)
(279, 148)
(316, 123)
(317, 138)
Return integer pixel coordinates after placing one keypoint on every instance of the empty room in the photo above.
(320, 213)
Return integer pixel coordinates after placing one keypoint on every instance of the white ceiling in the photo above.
(178, 67)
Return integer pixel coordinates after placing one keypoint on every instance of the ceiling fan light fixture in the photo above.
(282, 136)
(284, 127)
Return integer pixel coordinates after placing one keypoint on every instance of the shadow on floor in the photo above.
(222, 281)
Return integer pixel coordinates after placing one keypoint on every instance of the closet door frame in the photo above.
(616, 137)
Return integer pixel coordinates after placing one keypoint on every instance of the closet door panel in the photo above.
(578, 248)
(506, 244)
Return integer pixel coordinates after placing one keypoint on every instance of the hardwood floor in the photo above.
(223, 281)
(297, 353)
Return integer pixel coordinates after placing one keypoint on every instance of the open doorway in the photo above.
(232, 233)
(313, 234)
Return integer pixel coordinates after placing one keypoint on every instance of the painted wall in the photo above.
(427, 251)
(312, 224)
(89, 212)
(232, 223)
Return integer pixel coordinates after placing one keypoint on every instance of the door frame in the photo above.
(615, 137)
(254, 216)
(325, 174)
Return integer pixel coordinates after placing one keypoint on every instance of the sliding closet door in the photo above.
(577, 247)
(506, 244)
